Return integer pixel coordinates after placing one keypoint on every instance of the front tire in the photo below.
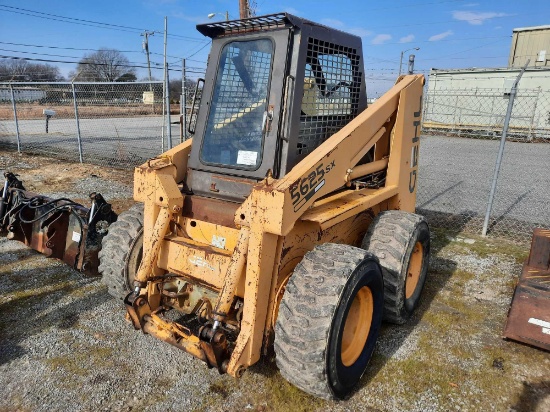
(329, 319)
(122, 251)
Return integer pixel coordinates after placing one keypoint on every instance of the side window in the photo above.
(331, 92)
(327, 92)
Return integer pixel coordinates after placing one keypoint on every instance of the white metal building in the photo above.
(475, 100)
(478, 78)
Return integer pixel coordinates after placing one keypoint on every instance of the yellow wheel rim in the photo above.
(415, 267)
(357, 326)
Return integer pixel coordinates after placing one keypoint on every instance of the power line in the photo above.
(59, 55)
(77, 57)
(465, 58)
(427, 23)
(473, 48)
(62, 48)
(453, 39)
(379, 59)
(66, 21)
(137, 66)
(191, 55)
(83, 22)
(88, 49)
(71, 18)
(416, 5)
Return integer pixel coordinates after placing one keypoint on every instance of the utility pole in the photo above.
(411, 64)
(243, 9)
(401, 58)
(146, 35)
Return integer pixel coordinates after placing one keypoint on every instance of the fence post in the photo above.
(513, 93)
(15, 118)
(77, 124)
(163, 130)
(530, 135)
(168, 118)
(184, 75)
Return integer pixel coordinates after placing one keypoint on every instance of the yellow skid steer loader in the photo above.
(287, 221)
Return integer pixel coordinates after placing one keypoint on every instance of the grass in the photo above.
(482, 246)
(79, 362)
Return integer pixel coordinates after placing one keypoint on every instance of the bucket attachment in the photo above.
(58, 228)
(529, 315)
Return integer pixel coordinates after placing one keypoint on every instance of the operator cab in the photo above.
(275, 88)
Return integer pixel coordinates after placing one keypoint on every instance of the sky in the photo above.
(450, 33)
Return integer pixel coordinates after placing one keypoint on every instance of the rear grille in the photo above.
(332, 84)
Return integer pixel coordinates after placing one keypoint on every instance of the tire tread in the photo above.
(388, 238)
(115, 248)
(306, 312)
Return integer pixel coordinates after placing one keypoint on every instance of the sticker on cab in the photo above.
(247, 158)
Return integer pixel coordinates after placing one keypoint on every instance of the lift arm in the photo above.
(274, 206)
(331, 165)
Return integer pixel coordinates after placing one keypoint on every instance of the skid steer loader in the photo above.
(287, 221)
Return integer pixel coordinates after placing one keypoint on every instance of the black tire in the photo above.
(392, 237)
(121, 252)
(312, 318)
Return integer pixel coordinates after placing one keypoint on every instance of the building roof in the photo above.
(433, 70)
(547, 27)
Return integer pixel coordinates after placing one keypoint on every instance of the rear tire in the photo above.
(121, 252)
(401, 242)
(329, 319)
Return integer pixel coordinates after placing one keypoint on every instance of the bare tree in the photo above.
(24, 71)
(107, 65)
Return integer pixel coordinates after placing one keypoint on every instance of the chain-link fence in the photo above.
(480, 113)
(115, 124)
(456, 174)
(121, 124)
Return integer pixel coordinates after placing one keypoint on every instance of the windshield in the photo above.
(234, 135)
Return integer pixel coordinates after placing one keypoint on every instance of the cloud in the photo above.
(407, 39)
(441, 36)
(381, 38)
(476, 18)
(332, 23)
(291, 10)
(358, 31)
(338, 24)
(195, 19)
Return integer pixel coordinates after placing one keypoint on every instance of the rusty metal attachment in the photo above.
(529, 314)
(57, 228)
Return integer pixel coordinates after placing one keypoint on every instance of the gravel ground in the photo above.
(456, 175)
(65, 345)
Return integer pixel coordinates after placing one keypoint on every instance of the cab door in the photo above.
(237, 127)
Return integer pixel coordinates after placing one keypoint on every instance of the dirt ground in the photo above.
(64, 343)
(57, 178)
